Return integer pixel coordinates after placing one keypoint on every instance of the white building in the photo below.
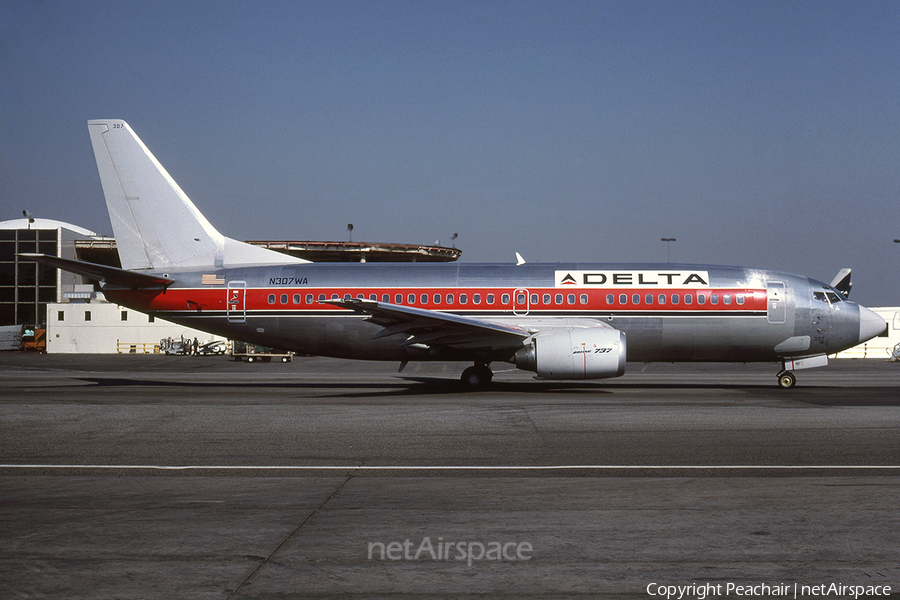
(100, 327)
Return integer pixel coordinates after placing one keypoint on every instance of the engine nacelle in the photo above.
(579, 353)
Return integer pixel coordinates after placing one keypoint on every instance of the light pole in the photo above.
(668, 242)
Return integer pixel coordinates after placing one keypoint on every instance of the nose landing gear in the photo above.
(786, 379)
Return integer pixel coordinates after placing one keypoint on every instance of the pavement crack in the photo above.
(268, 558)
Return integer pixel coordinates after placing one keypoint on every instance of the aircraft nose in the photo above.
(870, 324)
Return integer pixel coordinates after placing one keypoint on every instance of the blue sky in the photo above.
(764, 134)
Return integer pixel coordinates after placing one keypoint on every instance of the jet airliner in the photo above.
(561, 321)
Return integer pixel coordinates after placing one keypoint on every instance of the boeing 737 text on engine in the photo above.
(561, 321)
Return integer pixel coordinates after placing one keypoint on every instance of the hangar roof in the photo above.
(103, 251)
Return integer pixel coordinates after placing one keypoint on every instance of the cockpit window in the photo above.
(830, 296)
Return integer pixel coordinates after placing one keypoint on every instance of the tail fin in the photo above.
(841, 282)
(156, 225)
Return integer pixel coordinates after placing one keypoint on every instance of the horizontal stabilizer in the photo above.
(103, 273)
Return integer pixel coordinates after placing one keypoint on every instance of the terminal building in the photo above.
(46, 309)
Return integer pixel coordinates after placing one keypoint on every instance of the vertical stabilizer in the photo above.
(156, 225)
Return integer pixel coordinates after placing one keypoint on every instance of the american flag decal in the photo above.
(211, 280)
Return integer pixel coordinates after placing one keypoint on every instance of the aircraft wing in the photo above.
(104, 273)
(432, 328)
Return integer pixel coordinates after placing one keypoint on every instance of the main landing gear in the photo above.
(477, 376)
(786, 379)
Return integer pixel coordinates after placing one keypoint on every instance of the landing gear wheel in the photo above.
(477, 376)
(786, 380)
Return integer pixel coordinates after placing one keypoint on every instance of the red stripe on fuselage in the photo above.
(675, 301)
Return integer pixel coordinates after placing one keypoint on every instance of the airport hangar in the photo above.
(46, 309)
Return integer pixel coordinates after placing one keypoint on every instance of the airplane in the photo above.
(572, 321)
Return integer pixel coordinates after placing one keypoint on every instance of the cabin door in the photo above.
(776, 311)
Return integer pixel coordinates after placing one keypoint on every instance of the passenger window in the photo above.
(740, 298)
(463, 298)
(321, 297)
(534, 298)
(361, 296)
(450, 298)
(504, 299)
(411, 299)
(490, 298)
(559, 298)
(701, 298)
(271, 298)
(727, 298)
(398, 298)
(648, 299)
(546, 299)
(714, 299)
(636, 299)
(347, 296)
(820, 296)
(623, 298)
(424, 298)
(676, 298)
(520, 298)
(584, 298)
(609, 299)
(296, 298)
(476, 298)
(571, 298)
(309, 298)
(688, 299)
(284, 298)
(386, 298)
(437, 298)
(662, 298)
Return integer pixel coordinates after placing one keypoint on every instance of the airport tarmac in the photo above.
(135, 476)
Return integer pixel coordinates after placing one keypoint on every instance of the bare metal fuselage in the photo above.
(722, 314)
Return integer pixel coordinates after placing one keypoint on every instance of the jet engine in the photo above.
(581, 353)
